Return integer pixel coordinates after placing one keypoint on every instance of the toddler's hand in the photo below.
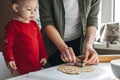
(43, 61)
(12, 65)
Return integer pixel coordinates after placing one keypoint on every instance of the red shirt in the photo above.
(23, 44)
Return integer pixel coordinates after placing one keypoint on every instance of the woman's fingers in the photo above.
(73, 57)
(67, 55)
(64, 55)
(91, 56)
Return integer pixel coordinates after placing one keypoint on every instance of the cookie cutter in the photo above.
(80, 64)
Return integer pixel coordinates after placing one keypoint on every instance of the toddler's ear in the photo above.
(15, 7)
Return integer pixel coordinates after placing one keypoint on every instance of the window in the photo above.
(105, 14)
(116, 11)
(109, 12)
(106, 11)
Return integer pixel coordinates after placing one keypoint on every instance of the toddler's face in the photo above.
(27, 10)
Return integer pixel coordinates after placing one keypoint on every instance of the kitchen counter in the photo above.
(103, 72)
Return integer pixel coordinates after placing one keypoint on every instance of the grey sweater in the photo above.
(52, 13)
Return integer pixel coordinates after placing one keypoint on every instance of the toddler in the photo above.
(23, 47)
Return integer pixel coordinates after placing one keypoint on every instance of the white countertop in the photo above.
(103, 72)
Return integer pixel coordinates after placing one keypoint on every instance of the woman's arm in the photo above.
(67, 53)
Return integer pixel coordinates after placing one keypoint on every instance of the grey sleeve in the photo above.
(45, 10)
(92, 19)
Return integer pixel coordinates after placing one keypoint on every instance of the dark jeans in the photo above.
(55, 59)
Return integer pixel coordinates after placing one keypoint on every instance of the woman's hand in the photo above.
(91, 56)
(67, 55)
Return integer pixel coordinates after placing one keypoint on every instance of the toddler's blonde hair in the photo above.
(21, 1)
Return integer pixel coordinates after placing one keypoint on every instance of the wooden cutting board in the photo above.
(105, 58)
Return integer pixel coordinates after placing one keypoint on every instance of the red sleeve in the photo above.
(42, 49)
(8, 42)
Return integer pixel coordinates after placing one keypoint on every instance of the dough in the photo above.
(71, 69)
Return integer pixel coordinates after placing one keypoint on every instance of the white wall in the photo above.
(4, 72)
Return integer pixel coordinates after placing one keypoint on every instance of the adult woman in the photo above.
(67, 25)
